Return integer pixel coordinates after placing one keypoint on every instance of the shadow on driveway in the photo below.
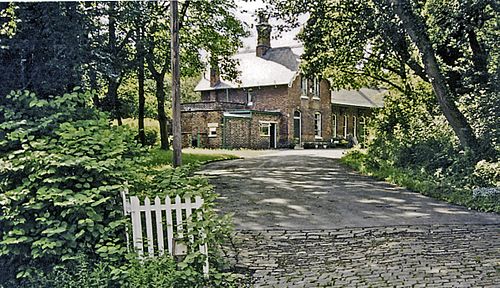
(300, 191)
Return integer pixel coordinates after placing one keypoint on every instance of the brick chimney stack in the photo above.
(214, 76)
(263, 34)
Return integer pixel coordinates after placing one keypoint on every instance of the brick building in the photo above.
(272, 105)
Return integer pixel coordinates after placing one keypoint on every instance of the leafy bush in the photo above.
(151, 136)
(413, 146)
(151, 272)
(62, 169)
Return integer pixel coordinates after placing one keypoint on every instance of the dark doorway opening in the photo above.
(272, 135)
(297, 133)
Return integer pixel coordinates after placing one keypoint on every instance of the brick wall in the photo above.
(194, 125)
(237, 132)
(274, 98)
(352, 113)
(245, 132)
(308, 106)
(225, 95)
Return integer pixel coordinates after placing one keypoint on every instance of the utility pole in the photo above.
(176, 91)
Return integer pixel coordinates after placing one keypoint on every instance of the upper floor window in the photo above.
(303, 86)
(316, 92)
(317, 125)
(249, 97)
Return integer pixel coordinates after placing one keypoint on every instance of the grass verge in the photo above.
(419, 181)
(164, 157)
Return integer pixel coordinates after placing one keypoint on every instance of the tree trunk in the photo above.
(113, 80)
(417, 32)
(113, 97)
(162, 116)
(93, 86)
(140, 79)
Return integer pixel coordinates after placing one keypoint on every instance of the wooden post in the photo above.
(176, 103)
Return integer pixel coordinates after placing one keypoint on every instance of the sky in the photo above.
(285, 39)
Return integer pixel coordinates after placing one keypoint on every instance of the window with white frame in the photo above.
(249, 97)
(316, 92)
(355, 126)
(212, 132)
(345, 126)
(317, 125)
(212, 129)
(303, 85)
(264, 129)
(334, 125)
(362, 124)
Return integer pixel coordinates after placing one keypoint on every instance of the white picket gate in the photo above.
(169, 213)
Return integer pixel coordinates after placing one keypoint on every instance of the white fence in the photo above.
(168, 217)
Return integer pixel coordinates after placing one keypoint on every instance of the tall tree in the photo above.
(358, 43)
(46, 52)
(206, 27)
(118, 17)
(140, 80)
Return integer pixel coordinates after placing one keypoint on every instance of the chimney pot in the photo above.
(263, 34)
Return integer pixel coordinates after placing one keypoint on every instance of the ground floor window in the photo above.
(345, 125)
(212, 129)
(355, 126)
(264, 129)
(334, 126)
(317, 125)
(297, 123)
(362, 125)
(212, 132)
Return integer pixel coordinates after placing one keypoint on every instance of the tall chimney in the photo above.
(263, 34)
(214, 76)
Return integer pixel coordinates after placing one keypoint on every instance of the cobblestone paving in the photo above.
(398, 256)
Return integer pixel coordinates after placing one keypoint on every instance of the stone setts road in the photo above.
(304, 220)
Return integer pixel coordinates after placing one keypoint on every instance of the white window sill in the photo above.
(304, 97)
(316, 98)
(212, 136)
(318, 137)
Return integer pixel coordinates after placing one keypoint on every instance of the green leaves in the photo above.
(60, 192)
(60, 197)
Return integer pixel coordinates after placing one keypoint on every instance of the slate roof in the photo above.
(364, 97)
(277, 67)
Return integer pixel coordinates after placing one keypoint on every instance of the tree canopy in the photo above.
(398, 44)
